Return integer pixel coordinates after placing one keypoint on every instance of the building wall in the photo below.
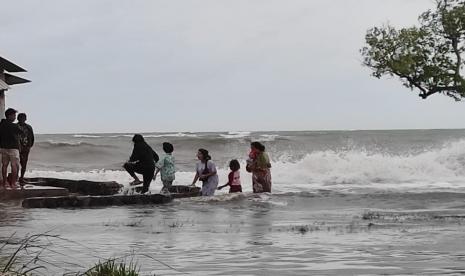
(2, 97)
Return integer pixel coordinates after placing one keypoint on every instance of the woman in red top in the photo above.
(234, 178)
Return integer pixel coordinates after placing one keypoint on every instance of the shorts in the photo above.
(10, 156)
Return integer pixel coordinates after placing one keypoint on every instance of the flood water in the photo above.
(387, 202)
(320, 233)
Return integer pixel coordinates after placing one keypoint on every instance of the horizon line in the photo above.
(251, 131)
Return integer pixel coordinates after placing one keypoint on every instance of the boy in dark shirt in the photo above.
(9, 147)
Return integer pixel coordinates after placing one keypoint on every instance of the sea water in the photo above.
(386, 202)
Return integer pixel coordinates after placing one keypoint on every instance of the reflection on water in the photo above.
(324, 234)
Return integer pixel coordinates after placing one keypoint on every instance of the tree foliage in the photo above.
(428, 57)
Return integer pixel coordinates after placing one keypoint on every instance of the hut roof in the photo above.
(10, 66)
(11, 79)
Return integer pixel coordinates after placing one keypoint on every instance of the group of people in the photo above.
(145, 161)
(16, 141)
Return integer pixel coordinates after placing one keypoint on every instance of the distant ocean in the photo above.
(384, 202)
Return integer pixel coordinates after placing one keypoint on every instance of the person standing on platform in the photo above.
(9, 147)
(26, 141)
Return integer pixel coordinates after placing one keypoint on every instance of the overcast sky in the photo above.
(209, 65)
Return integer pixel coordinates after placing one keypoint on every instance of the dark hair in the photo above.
(205, 154)
(137, 138)
(258, 146)
(21, 116)
(234, 165)
(10, 111)
(168, 147)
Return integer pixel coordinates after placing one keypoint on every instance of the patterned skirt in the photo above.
(261, 180)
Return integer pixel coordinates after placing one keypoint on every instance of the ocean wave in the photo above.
(178, 134)
(236, 134)
(268, 137)
(121, 136)
(86, 136)
(346, 170)
(71, 144)
(444, 165)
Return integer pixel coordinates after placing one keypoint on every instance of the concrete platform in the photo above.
(32, 191)
(178, 191)
(94, 201)
(83, 187)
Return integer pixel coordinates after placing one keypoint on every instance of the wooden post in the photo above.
(2, 108)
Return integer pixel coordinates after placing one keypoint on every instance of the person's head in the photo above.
(137, 138)
(203, 155)
(10, 114)
(168, 147)
(234, 165)
(257, 146)
(22, 117)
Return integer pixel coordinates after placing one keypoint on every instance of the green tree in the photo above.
(428, 57)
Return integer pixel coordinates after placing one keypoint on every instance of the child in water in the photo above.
(234, 178)
(252, 156)
(166, 167)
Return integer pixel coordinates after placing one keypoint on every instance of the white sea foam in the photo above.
(86, 136)
(178, 134)
(438, 168)
(236, 134)
(121, 136)
(63, 143)
(268, 137)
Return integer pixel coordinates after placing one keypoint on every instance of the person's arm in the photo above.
(135, 155)
(160, 164)
(31, 138)
(230, 180)
(252, 166)
(195, 178)
(18, 130)
(157, 170)
(268, 162)
(155, 156)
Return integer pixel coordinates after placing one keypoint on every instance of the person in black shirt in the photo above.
(26, 141)
(142, 161)
(9, 145)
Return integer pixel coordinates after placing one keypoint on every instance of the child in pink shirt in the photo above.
(234, 178)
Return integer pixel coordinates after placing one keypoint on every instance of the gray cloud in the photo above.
(112, 66)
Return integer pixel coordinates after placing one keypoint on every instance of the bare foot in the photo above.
(136, 182)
